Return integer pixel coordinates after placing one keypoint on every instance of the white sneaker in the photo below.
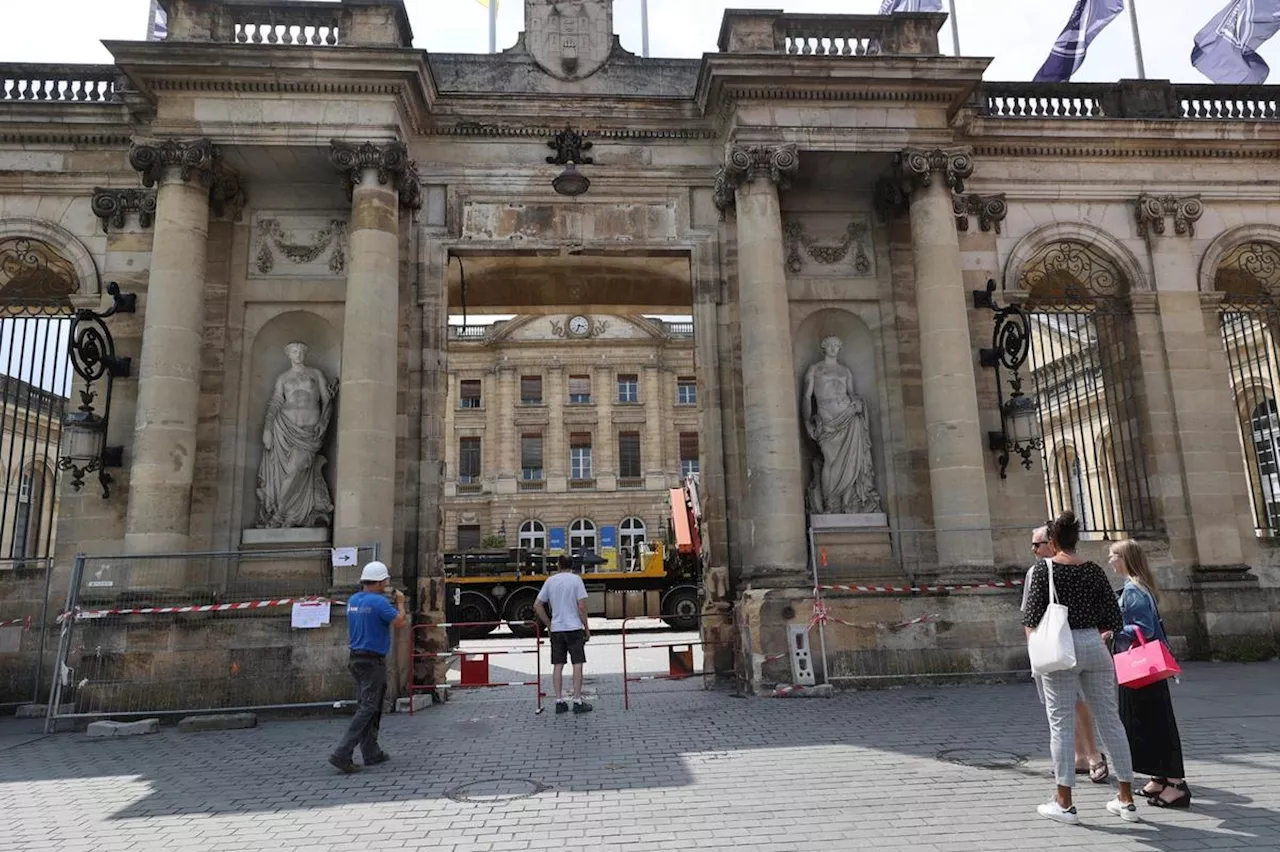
(1128, 813)
(1055, 811)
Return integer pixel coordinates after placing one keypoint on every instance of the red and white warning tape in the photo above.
(993, 584)
(14, 622)
(782, 690)
(83, 614)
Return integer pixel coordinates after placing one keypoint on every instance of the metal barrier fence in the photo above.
(26, 625)
(680, 659)
(198, 632)
(474, 665)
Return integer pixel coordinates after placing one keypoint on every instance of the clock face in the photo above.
(579, 326)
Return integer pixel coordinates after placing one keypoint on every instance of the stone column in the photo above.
(957, 461)
(380, 178)
(164, 445)
(1205, 432)
(775, 524)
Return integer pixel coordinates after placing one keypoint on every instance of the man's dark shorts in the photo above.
(568, 643)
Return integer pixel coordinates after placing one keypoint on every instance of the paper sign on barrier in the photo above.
(344, 557)
(310, 614)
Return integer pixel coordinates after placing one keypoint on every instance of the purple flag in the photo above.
(888, 7)
(157, 23)
(1226, 50)
(1089, 18)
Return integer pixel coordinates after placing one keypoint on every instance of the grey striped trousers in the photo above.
(1094, 679)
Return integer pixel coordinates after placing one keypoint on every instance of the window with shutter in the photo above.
(580, 389)
(531, 457)
(469, 460)
(531, 390)
(688, 453)
(468, 537)
(469, 393)
(629, 455)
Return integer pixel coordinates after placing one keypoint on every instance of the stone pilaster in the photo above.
(164, 446)
(1205, 430)
(654, 427)
(555, 441)
(504, 437)
(775, 524)
(380, 177)
(957, 465)
(605, 452)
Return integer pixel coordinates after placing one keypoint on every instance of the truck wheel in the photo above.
(473, 606)
(681, 608)
(519, 607)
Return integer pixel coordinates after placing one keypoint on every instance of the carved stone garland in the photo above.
(272, 235)
(853, 238)
(1152, 210)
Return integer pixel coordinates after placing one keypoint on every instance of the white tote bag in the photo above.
(1050, 646)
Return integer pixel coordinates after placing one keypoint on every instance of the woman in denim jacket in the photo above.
(1147, 712)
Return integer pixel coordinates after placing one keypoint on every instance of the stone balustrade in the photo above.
(1132, 99)
(60, 83)
(353, 23)
(771, 31)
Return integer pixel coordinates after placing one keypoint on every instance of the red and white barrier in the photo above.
(14, 622)
(961, 587)
(84, 614)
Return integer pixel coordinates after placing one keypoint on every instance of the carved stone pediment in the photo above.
(827, 245)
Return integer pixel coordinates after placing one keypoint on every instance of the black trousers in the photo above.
(370, 674)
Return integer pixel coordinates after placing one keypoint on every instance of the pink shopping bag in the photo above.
(1145, 663)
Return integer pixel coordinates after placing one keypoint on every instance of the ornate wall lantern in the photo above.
(569, 147)
(93, 356)
(1019, 414)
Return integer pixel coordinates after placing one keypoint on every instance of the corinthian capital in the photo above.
(1152, 210)
(746, 163)
(390, 160)
(192, 158)
(917, 166)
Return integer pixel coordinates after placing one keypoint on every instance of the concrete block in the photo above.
(217, 722)
(420, 700)
(124, 729)
(39, 711)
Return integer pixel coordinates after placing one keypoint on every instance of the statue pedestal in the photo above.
(859, 548)
(261, 570)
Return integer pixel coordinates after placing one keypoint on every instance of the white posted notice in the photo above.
(307, 614)
(344, 557)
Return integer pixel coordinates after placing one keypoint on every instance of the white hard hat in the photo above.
(374, 572)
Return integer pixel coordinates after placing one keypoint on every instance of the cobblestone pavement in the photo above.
(685, 769)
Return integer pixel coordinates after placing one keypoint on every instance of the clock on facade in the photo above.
(579, 326)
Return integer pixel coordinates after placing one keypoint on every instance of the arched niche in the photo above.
(858, 354)
(267, 360)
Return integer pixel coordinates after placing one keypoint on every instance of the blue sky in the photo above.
(1017, 33)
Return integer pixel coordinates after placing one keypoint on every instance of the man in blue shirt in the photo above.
(370, 618)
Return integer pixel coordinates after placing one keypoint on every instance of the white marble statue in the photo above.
(844, 478)
(291, 487)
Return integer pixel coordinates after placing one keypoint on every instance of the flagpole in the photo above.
(493, 26)
(644, 28)
(955, 28)
(1137, 39)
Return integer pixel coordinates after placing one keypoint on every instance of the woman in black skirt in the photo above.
(1147, 712)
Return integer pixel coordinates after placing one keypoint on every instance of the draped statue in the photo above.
(844, 477)
(291, 487)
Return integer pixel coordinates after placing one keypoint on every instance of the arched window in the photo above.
(1079, 496)
(631, 534)
(31, 521)
(533, 535)
(1264, 426)
(582, 535)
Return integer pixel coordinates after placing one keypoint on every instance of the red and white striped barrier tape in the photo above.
(782, 690)
(992, 584)
(14, 622)
(83, 614)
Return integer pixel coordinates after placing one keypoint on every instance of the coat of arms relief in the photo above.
(569, 39)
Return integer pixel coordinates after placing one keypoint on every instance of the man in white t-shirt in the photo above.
(567, 595)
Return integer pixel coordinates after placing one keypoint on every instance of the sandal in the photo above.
(1183, 800)
(1099, 772)
(1147, 792)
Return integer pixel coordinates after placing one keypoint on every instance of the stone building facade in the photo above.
(314, 177)
(567, 429)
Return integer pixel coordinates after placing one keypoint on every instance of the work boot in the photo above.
(581, 707)
(345, 765)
